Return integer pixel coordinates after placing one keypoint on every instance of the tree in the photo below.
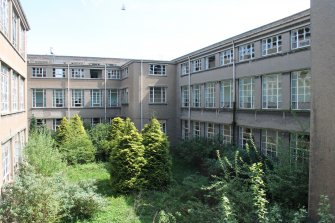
(157, 171)
(63, 131)
(33, 125)
(99, 135)
(117, 130)
(127, 159)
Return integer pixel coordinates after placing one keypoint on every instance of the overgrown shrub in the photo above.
(100, 137)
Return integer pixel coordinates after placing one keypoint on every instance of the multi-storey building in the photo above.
(13, 85)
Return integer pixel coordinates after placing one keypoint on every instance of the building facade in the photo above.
(13, 86)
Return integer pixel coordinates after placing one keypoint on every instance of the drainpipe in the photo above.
(105, 94)
(234, 97)
(141, 104)
(68, 91)
(189, 97)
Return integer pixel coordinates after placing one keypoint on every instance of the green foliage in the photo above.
(117, 131)
(164, 217)
(100, 135)
(228, 215)
(157, 170)
(127, 160)
(41, 153)
(63, 132)
(33, 125)
(324, 210)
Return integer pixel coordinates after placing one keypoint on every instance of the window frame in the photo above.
(296, 43)
(226, 134)
(56, 74)
(276, 92)
(226, 56)
(196, 65)
(223, 85)
(185, 68)
(162, 98)
(75, 98)
(246, 52)
(4, 89)
(248, 88)
(298, 153)
(185, 129)
(39, 72)
(15, 96)
(273, 43)
(245, 137)
(113, 74)
(295, 90)
(34, 102)
(196, 129)
(185, 96)
(210, 135)
(77, 73)
(269, 148)
(110, 104)
(96, 98)
(210, 93)
(157, 69)
(196, 96)
(58, 98)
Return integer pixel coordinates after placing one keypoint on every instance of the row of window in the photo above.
(272, 45)
(12, 93)
(270, 140)
(271, 92)
(17, 33)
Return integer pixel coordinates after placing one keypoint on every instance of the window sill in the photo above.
(12, 113)
(163, 103)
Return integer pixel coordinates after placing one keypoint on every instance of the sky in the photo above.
(146, 29)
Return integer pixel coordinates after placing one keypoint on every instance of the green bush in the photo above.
(157, 170)
(100, 137)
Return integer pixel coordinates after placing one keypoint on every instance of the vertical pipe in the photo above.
(189, 97)
(234, 97)
(141, 104)
(105, 93)
(68, 91)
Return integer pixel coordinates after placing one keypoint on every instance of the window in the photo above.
(55, 123)
(300, 37)
(196, 101)
(226, 99)
(269, 143)
(6, 162)
(15, 96)
(299, 145)
(163, 125)
(157, 94)
(96, 98)
(210, 95)
(22, 95)
(246, 137)
(196, 65)
(271, 45)
(185, 129)
(77, 98)
(196, 130)
(210, 130)
(247, 52)
(17, 150)
(4, 89)
(39, 98)
(185, 69)
(210, 62)
(77, 73)
(22, 40)
(226, 134)
(95, 74)
(157, 69)
(40, 122)
(272, 91)
(113, 97)
(4, 16)
(247, 92)
(226, 57)
(114, 74)
(184, 96)
(15, 24)
(58, 72)
(58, 98)
(300, 89)
(95, 121)
(125, 72)
(39, 72)
(124, 96)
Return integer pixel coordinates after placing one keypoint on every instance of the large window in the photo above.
(4, 16)
(196, 65)
(39, 72)
(39, 100)
(196, 130)
(22, 41)
(269, 143)
(272, 91)
(157, 94)
(299, 146)
(185, 69)
(114, 74)
(247, 92)
(300, 37)
(246, 52)
(226, 134)
(58, 72)
(15, 96)
(77, 98)
(210, 95)
(245, 137)
(15, 24)
(6, 162)
(96, 98)
(113, 97)
(271, 45)
(58, 98)
(210, 62)
(22, 95)
(77, 73)
(226, 94)
(184, 96)
(4, 89)
(300, 89)
(196, 101)
(185, 129)
(124, 95)
(157, 69)
(226, 57)
(210, 130)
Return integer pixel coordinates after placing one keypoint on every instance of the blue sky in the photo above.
(147, 29)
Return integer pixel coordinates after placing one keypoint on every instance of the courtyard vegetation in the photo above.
(115, 173)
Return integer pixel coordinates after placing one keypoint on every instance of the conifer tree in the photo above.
(117, 130)
(157, 171)
(63, 131)
(127, 159)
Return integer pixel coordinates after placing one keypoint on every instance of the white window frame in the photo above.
(247, 93)
(272, 91)
(161, 98)
(210, 130)
(226, 101)
(207, 62)
(15, 96)
(185, 130)
(226, 57)
(77, 73)
(196, 65)
(4, 16)
(185, 96)
(124, 96)
(58, 72)
(185, 69)
(40, 91)
(269, 143)
(22, 94)
(55, 123)
(300, 90)
(22, 40)
(113, 74)
(96, 98)
(196, 129)
(39, 72)
(271, 45)
(58, 98)
(77, 98)
(301, 37)
(226, 133)
(15, 23)
(4, 89)
(245, 136)
(157, 69)
(246, 52)
(196, 96)
(110, 93)
(299, 147)
(6, 161)
(210, 92)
